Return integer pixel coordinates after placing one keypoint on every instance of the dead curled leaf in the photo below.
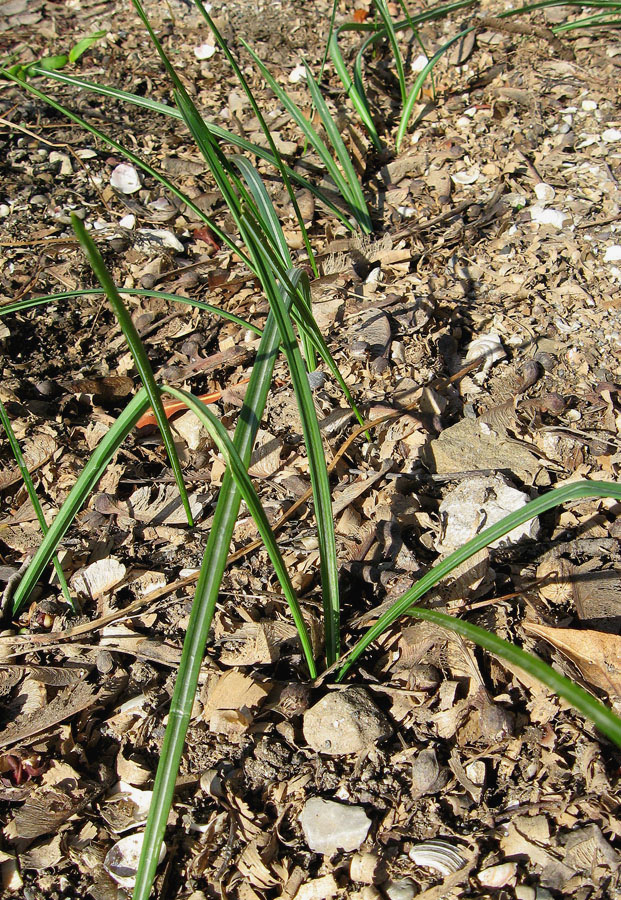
(596, 653)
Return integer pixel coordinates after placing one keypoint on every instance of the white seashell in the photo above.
(125, 179)
(121, 862)
(554, 217)
(438, 855)
(487, 345)
(159, 237)
(589, 105)
(544, 192)
(611, 135)
(613, 254)
(466, 176)
(298, 74)
(128, 221)
(204, 51)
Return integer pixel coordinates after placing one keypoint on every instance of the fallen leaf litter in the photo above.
(499, 233)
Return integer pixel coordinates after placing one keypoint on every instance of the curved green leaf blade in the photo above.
(34, 499)
(244, 485)
(607, 722)
(573, 491)
(141, 360)
(32, 302)
(78, 494)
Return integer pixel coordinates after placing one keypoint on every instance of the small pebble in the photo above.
(330, 826)
(343, 722)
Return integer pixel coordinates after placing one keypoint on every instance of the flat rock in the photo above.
(471, 445)
(330, 826)
(345, 722)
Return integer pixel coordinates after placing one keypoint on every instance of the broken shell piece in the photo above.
(466, 176)
(438, 855)
(204, 51)
(544, 192)
(121, 862)
(545, 216)
(489, 346)
(126, 807)
(613, 254)
(498, 876)
(367, 868)
(125, 179)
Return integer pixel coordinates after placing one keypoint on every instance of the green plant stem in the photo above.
(32, 494)
(141, 360)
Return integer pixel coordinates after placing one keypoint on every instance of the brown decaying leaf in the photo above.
(596, 653)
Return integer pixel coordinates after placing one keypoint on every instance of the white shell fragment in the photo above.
(544, 192)
(420, 62)
(542, 216)
(611, 135)
(204, 51)
(159, 237)
(128, 221)
(126, 807)
(498, 876)
(438, 855)
(467, 176)
(613, 254)
(298, 74)
(488, 345)
(125, 178)
(121, 862)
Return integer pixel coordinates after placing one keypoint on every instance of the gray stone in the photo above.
(345, 722)
(330, 826)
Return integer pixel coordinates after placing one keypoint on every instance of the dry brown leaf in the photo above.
(234, 691)
(266, 455)
(596, 653)
(66, 703)
(37, 451)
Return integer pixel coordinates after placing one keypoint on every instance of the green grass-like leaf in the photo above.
(244, 485)
(32, 494)
(32, 302)
(141, 360)
(348, 191)
(92, 472)
(573, 491)
(607, 722)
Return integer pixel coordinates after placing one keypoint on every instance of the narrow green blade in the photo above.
(573, 491)
(141, 360)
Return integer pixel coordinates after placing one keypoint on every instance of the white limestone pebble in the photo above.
(330, 826)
